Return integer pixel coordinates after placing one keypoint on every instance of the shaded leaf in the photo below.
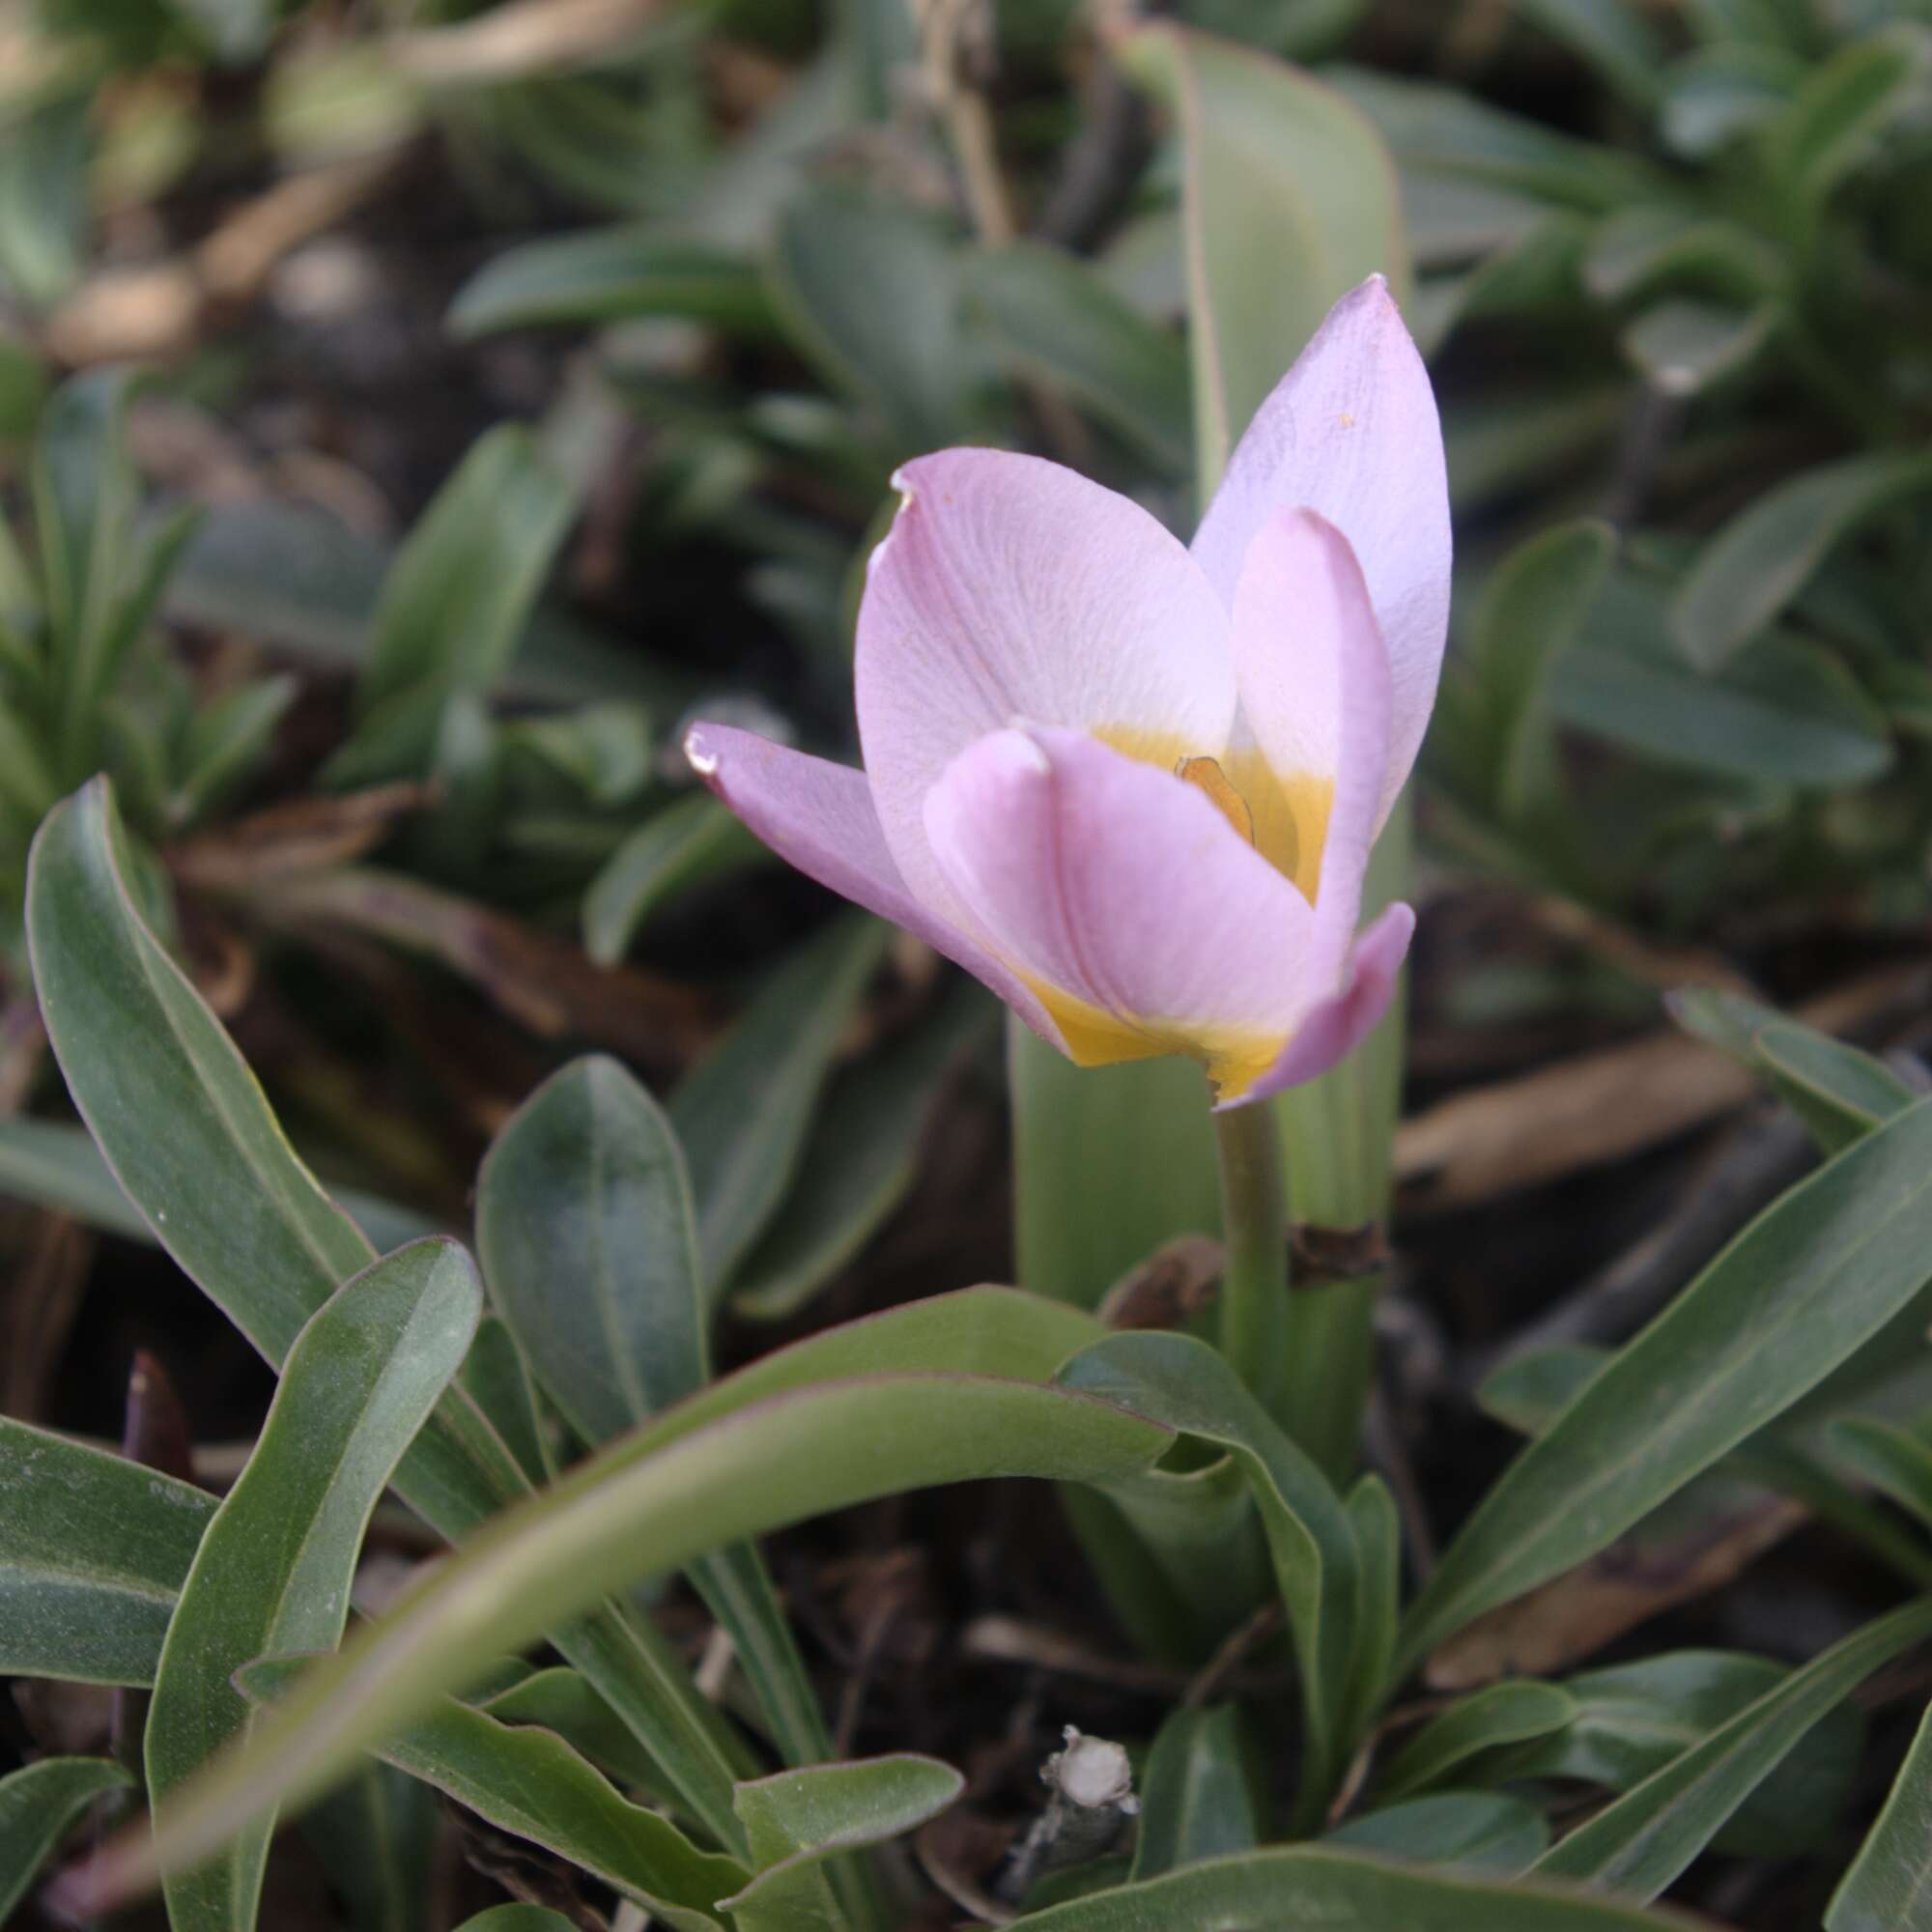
(1505, 1714)
(1475, 1830)
(38, 1806)
(1202, 1793)
(1887, 1887)
(692, 840)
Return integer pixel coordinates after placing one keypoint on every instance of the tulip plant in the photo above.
(500, 1550)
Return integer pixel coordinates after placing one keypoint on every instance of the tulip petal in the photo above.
(1352, 431)
(1146, 921)
(1336, 1026)
(1012, 589)
(819, 817)
(1314, 694)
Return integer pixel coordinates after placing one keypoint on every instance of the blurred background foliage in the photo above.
(521, 376)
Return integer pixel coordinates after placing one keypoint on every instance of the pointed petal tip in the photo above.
(698, 753)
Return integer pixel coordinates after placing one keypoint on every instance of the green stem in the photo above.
(1254, 1227)
(1331, 1355)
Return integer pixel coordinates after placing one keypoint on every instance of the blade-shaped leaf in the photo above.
(743, 1113)
(1893, 1460)
(273, 1568)
(1202, 1794)
(682, 1486)
(93, 1550)
(563, 1701)
(529, 1782)
(38, 1806)
(1640, 1844)
(694, 839)
(1817, 1274)
(1477, 1830)
(375, 1837)
(1504, 1714)
(518, 1919)
(1340, 1892)
(1888, 1886)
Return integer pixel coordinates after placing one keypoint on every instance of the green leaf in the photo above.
(1687, 347)
(861, 1161)
(1840, 1091)
(459, 593)
(799, 1819)
(773, 1443)
(563, 1701)
(1532, 608)
(586, 1227)
(1893, 1460)
(1109, 1162)
(1185, 1386)
(612, 274)
(1655, 244)
(1202, 1794)
(39, 1806)
(43, 197)
(869, 291)
(1339, 1892)
(530, 1782)
(1472, 1830)
(1643, 1842)
(683, 845)
(93, 1550)
(1617, 39)
(1786, 711)
(1372, 1512)
(1886, 1889)
(518, 1919)
(1844, 105)
(1053, 312)
(744, 1111)
(1767, 553)
(377, 1839)
(1504, 1714)
(1817, 1274)
(275, 1565)
(187, 1133)
(1719, 92)
(1290, 199)
(225, 742)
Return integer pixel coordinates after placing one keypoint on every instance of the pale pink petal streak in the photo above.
(1118, 883)
(1336, 1026)
(819, 817)
(1315, 693)
(1012, 589)
(1352, 431)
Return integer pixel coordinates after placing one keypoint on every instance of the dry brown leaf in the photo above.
(303, 835)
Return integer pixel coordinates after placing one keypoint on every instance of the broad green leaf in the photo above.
(1893, 1460)
(1340, 1892)
(1767, 553)
(43, 197)
(680, 846)
(235, 31)
(224, 743)
(1668, 244)
(54, 1165)
(1054, 313)
(1888, 1886)
(1715, 94)
(497, 1378)
(868, 289)
(1785, 711)
(1504, 1714)
(1836, 114)
(38, 1806)
(743, 1113)
(798, 1820)
(1840, 1091)
(518, 1919)
(1631, 1719)
(1473, 1830)
(1202, 1793)
(1643, 1842)
(650, 1504)
(1817, 1274)
(585, 1228)
(187, 1133)
(861, 1161)
(93, 1550)
(612, 274)
(530, 1782)
(1289, 198)
(1614, 37)
(1109, 1162)
(1532, 608)
(1687, 347)
(274, 1566)
(1372, 1512)
(459, 590)
(1185, 1386)
(376, 1837)
(563, 1701)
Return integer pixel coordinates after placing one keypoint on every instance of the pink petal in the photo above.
(819, 817)
(1315, 694)
(1120, 885)
(1352, 431)
(1335, 1027)
(1011, 588)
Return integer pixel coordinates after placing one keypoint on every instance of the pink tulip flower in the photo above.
(1132, 785)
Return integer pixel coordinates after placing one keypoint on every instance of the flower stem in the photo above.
(1330, 1358)
(1254, 1227)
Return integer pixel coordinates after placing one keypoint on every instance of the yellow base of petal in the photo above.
(1234, 1059)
